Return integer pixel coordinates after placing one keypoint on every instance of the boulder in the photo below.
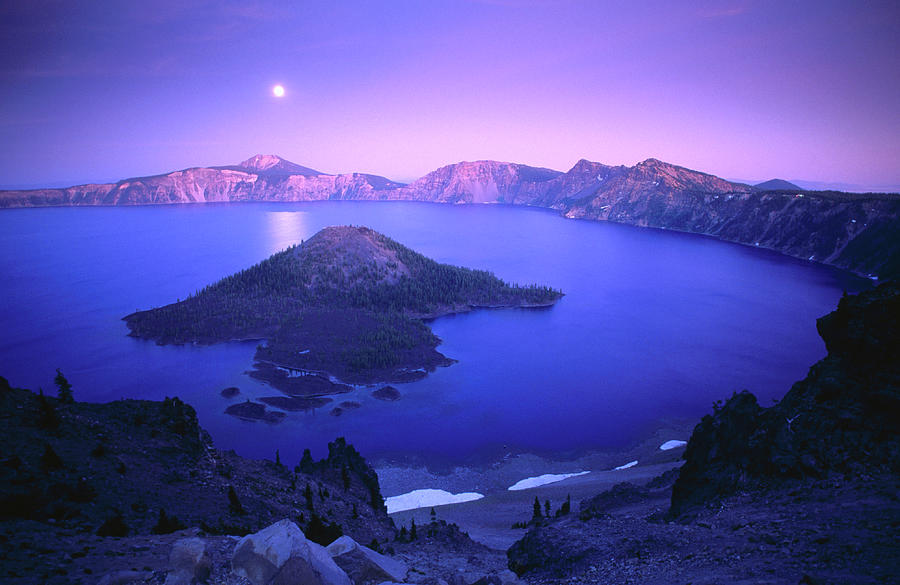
(364, 565)
(189, 561)
(281, 555)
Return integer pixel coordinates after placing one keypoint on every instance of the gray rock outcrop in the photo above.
(363, 565)
(189, 561)
(281, 555)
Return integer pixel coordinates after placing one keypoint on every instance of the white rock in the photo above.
(280, 555)
(364, 565)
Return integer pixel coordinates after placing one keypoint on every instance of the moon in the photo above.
(278, 91)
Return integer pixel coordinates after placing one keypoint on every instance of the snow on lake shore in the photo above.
(673, 444)
(626, 466)
(531, 482)
(427, 498)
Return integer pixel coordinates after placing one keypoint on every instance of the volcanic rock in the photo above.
(281, 555)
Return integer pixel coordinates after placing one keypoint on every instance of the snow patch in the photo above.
(626, 466)
(531, 482)
(673, 444)
(427, 498)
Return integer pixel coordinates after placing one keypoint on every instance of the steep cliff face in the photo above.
(260, 178)
(856, 232)
(809, 225)
(844, 417)
(484, 181)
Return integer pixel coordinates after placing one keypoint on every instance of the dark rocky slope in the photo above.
(107, 493)
(120, 468)
(857, 232)
(804, 491)
(844, 417)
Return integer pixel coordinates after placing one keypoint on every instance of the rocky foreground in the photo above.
(133, 491)
(858, 232)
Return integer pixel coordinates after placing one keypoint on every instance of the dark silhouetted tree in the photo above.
(567, 506)
(166, 524)
(47, 417)
(307, 465)
(63, 388)
(50, 461)
(321, 532)
(234, 504)
(114, 526)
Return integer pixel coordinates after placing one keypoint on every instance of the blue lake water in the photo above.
(654, 324)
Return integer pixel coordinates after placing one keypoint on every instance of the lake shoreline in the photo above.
(489, 520)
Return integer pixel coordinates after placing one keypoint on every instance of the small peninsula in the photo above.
(345, 306)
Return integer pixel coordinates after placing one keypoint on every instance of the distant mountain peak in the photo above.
(274, 163)
(586, 165)
(777, 185)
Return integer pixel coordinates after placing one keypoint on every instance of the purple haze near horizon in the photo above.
(101, 91)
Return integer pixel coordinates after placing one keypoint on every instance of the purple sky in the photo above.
(98, 91)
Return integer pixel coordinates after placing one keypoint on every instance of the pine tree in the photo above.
(234, 504)
(64, 389)
(567, 505)
(547, 508)
(537, 509)
(306, 462)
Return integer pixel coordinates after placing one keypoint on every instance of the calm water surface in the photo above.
(654, 324)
